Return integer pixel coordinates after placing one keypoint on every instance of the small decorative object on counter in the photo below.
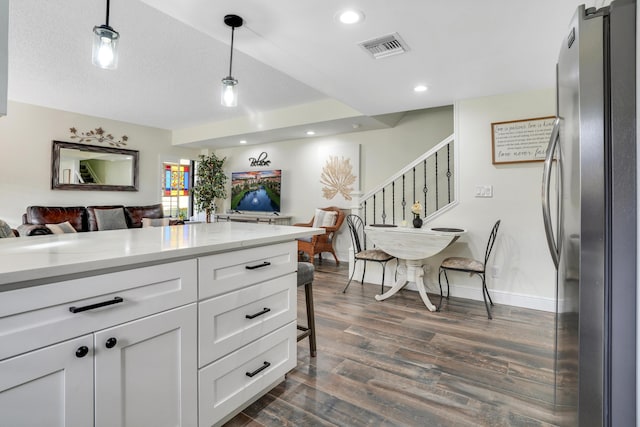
(416, 209)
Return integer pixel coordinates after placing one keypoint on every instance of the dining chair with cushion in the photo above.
(331, 220)
(361, 253)
(472, 266)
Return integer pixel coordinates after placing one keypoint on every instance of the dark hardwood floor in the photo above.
(393, 363)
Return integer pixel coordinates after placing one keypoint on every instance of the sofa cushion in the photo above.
(155, 222)
(5, 230)
(42, 215)
(92, 223)
(62, 228)
(110, 219)
(136, 213)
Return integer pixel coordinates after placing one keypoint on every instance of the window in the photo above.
(176, 189)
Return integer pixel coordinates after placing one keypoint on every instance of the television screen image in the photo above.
(257, 191)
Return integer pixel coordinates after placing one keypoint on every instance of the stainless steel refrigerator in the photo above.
(590, 214)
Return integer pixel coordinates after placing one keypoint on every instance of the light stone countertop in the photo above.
(28, 261)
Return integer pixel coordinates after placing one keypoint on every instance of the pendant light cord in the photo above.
(107, 24)
(231, 54)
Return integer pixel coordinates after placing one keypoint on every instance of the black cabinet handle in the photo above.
(253, 267)
(82, 351)
(260, 313)
(116, 300)
(260, 369)
(111, 342)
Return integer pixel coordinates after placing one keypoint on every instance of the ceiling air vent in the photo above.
(384, 46)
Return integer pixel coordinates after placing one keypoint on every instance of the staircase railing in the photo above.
(429, 179)
(94, 176)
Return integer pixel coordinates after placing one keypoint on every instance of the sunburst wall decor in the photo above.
(337, 177)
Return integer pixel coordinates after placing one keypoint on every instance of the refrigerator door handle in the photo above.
(546, 183)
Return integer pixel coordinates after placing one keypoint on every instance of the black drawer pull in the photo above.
(116, 300)
(253, 267)
(260, 313)
(260, 369)
(82, 351)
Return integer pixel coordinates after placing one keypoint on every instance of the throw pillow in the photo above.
(155, 222)
(61, 228)
(5, 230)
(110, 219)
(325, 218)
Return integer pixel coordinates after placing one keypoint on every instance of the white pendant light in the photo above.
(229, 96)
(105, 45)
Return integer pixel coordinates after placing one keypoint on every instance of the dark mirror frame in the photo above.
(55, 167)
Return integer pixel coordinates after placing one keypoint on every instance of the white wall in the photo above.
(382, 153)
(25, 143)
(526, 276)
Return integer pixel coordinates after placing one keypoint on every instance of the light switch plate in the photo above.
(484, 190)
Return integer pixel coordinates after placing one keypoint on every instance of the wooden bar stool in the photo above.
(305, 278)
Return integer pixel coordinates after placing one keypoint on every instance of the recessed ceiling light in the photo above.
(350, 16)
(420, 88)
(310, 132)
(243, 141)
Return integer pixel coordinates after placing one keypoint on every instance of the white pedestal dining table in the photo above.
(411, 246)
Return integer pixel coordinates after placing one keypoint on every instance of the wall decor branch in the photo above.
(99, 135)
(337, 177)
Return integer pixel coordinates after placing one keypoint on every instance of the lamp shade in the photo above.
(105, 47)
(229, 96)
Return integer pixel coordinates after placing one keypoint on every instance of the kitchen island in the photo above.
(181, 325)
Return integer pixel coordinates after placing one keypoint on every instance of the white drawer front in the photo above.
(223, 322)
(38, 316)
(221, 273)
(224, 386)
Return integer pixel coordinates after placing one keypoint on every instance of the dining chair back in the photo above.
(361, 253)
(472, 266)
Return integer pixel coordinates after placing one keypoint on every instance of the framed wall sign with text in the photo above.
(520, 140)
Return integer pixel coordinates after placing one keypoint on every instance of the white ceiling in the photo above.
(173, 55)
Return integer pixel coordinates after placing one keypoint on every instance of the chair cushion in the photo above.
(459, 263)
(110, 219)
(305, 273)
(61, 228)
(324, 218)
(373, 255)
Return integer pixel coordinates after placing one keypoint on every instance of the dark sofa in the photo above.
(83, 218)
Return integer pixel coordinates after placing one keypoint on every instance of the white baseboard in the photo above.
(533, 302)
(498, 297)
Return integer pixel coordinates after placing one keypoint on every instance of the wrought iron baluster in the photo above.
(393, 202)
(374, 209)
(365, 212)
(414, 185)
(384, 207)
(404, 199)
(424, 189)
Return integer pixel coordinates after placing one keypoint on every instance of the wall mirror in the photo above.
(89, 167)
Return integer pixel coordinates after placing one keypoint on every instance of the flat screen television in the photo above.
(256, 191)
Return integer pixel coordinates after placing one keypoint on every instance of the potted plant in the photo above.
(210, 183)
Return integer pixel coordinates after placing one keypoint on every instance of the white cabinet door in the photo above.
(50, 387)
(146, 371)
